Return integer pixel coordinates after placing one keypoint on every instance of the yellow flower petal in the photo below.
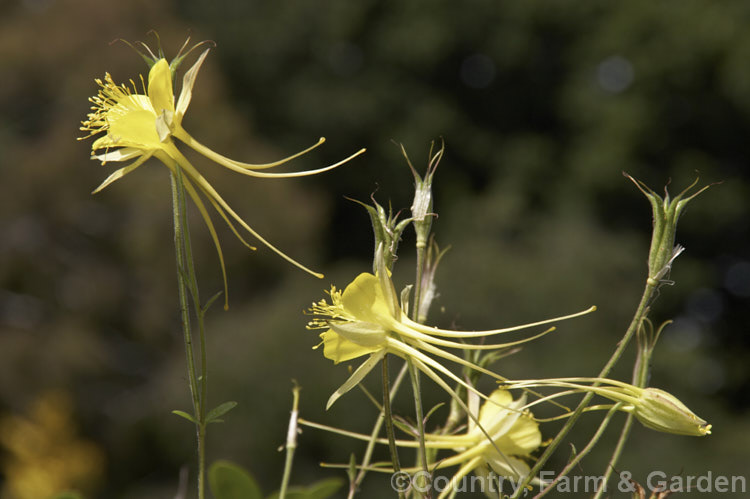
(364, 299)
(339, 349)
(187, 87)
(160, 87)
(136, 128)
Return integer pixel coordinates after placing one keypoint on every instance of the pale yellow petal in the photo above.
(136, 128)
(186, 94)
(363, 299)
(160, 87)
(356, 377)
(124, 154)
(118, 174)
(339, 349)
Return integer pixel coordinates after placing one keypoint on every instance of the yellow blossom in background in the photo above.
(366, 319)
(43, 454)
(137, 125)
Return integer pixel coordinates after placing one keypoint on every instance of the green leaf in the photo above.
(229, 481)
(220, 410)
(185, 415)
(319, 490)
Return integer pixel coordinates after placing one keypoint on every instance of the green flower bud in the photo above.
(421, 207)
(387, 231)
(666, 212)
(662, 411)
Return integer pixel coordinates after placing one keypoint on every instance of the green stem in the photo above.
(185, 283)
(413, 371)
(422, 456)
(418, 281)
(374, 435)
(615, 456)
(388, 416)
(573, 462)
(648, 294)
(640, 376)
(291, 442)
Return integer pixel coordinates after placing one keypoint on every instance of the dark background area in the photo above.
(542, 107)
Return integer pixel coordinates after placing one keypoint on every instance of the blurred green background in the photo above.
(542, 105)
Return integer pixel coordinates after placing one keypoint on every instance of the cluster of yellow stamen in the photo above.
(110, 102)
(327, 312)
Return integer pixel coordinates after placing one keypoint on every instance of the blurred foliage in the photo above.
(541, 105)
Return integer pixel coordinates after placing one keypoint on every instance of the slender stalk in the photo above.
(186, 282)
(573, 462)
(388, 416)
(418, 281)
(422, 455)
(414, 372)
(291, 442)
(374, 434)
(182, 294)
(648, 294)
(615, 456)
(640, 376)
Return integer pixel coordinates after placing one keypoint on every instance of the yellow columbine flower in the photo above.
(500, 439)
(138, 126)
(500, 436)
(365, 319)
(654, 408)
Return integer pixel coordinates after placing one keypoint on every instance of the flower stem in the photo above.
(388, 416)
(291, 441)
(640, 377)
(414, 372)
(187, 282)
(573, 462)
(640, 313)
(422, 455)
(374, 435)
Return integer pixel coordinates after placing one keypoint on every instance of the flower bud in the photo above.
(666, 212)
(387, 231)
(421, 207)
(662, 411)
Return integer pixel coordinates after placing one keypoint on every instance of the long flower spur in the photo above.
(140, 125)
(366, 319)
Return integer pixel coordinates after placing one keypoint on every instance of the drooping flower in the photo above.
(137, 125)
(654, 408)
(500, 437)
(366, 319)
(503, 436)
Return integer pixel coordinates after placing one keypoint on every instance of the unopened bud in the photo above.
(662, 411)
